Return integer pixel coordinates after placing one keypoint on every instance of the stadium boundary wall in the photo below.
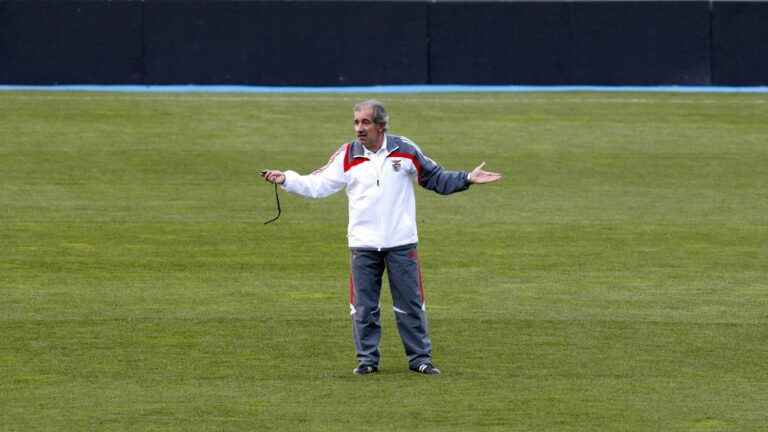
(341, 43)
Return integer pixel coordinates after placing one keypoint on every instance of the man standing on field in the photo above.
(377, 170)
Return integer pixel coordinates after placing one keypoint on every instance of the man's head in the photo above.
(371, 120)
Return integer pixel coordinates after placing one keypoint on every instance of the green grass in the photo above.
(615, 280)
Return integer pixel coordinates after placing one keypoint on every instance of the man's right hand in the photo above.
(273, 176)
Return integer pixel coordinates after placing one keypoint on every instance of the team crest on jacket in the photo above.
(396, 164)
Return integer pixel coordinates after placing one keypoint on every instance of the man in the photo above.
(377, 170)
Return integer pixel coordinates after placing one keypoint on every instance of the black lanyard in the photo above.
(277, 200)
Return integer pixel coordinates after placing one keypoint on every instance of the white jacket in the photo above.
(382, 208)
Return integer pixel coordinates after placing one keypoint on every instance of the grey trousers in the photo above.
(405, 282)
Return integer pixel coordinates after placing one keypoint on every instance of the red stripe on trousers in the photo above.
(415, 256)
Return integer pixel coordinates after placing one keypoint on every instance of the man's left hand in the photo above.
(478, 175)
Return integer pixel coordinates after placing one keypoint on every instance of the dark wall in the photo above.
(45, 42)
(365, 43)
(500, 43)
(4, 60)
(740, 43)
(640, 43)
(279, 43)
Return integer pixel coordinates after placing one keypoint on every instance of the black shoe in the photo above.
(365, 370)
(426, 369)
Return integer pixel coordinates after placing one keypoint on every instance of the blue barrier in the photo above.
(381, 89)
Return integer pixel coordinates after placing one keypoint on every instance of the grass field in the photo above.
(615, 280)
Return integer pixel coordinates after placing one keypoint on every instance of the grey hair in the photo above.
(380, 115)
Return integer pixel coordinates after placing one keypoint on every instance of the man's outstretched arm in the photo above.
(433, 177)
(322, 182)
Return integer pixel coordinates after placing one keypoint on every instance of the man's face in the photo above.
(368, 133)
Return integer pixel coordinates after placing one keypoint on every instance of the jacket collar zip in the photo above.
(358, 151)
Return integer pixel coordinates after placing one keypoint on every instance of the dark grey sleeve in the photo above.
(433, 177)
